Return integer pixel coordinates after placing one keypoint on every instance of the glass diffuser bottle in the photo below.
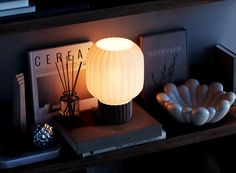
(69, 104)
(69, 101)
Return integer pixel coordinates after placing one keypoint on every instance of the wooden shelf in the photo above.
(61, 17)
(185, 135)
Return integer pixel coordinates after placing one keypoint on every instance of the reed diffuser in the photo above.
(69, 101)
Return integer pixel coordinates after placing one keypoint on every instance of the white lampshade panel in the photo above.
(115, 70)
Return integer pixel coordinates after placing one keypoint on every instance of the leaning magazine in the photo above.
(165, 60)
(45, 81)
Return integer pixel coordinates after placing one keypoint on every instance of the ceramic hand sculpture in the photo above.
(195, 103)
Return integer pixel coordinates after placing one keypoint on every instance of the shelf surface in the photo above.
(80, 14)
(178, 135)
(184, 135)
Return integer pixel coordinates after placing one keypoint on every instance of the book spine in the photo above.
(22, 104)
(33, 86)
(16, 104)
(126, 145)
(15, 11)
(226, 61)
(13, 4)
(118, 140)
(64, 135)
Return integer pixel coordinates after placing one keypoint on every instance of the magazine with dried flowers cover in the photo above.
(45, 80)
(165, 60)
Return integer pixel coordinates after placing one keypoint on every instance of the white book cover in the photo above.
(9, 4)
(46, 84)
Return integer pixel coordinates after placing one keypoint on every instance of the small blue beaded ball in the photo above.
(42, 135)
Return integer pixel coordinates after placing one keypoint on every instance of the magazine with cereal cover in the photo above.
(46, 85)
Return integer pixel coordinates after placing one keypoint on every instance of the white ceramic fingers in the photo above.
(195, 103)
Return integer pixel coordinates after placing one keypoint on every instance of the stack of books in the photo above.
(88, 137)
(14, 7)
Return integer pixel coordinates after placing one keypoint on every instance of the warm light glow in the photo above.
(115, 70)
(114, 44)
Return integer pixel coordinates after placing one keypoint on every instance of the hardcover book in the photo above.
(129, 144)
(227, 63)
(165, 60)
(45, 80)
(87, 136)
(17, 149)
(19, 107)
(10, 4)
(15, 11)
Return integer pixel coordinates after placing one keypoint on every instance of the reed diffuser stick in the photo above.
(62, 66)
(76, 78)
(72, 73)
(60, 77)
(67, 73)
(69, 100)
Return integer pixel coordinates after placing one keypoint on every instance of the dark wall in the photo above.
(206, 25)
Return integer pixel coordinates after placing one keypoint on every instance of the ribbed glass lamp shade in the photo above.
(115, 71)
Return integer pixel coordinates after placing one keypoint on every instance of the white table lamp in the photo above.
(115, 75)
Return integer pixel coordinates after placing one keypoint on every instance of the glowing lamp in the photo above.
(115, 75)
